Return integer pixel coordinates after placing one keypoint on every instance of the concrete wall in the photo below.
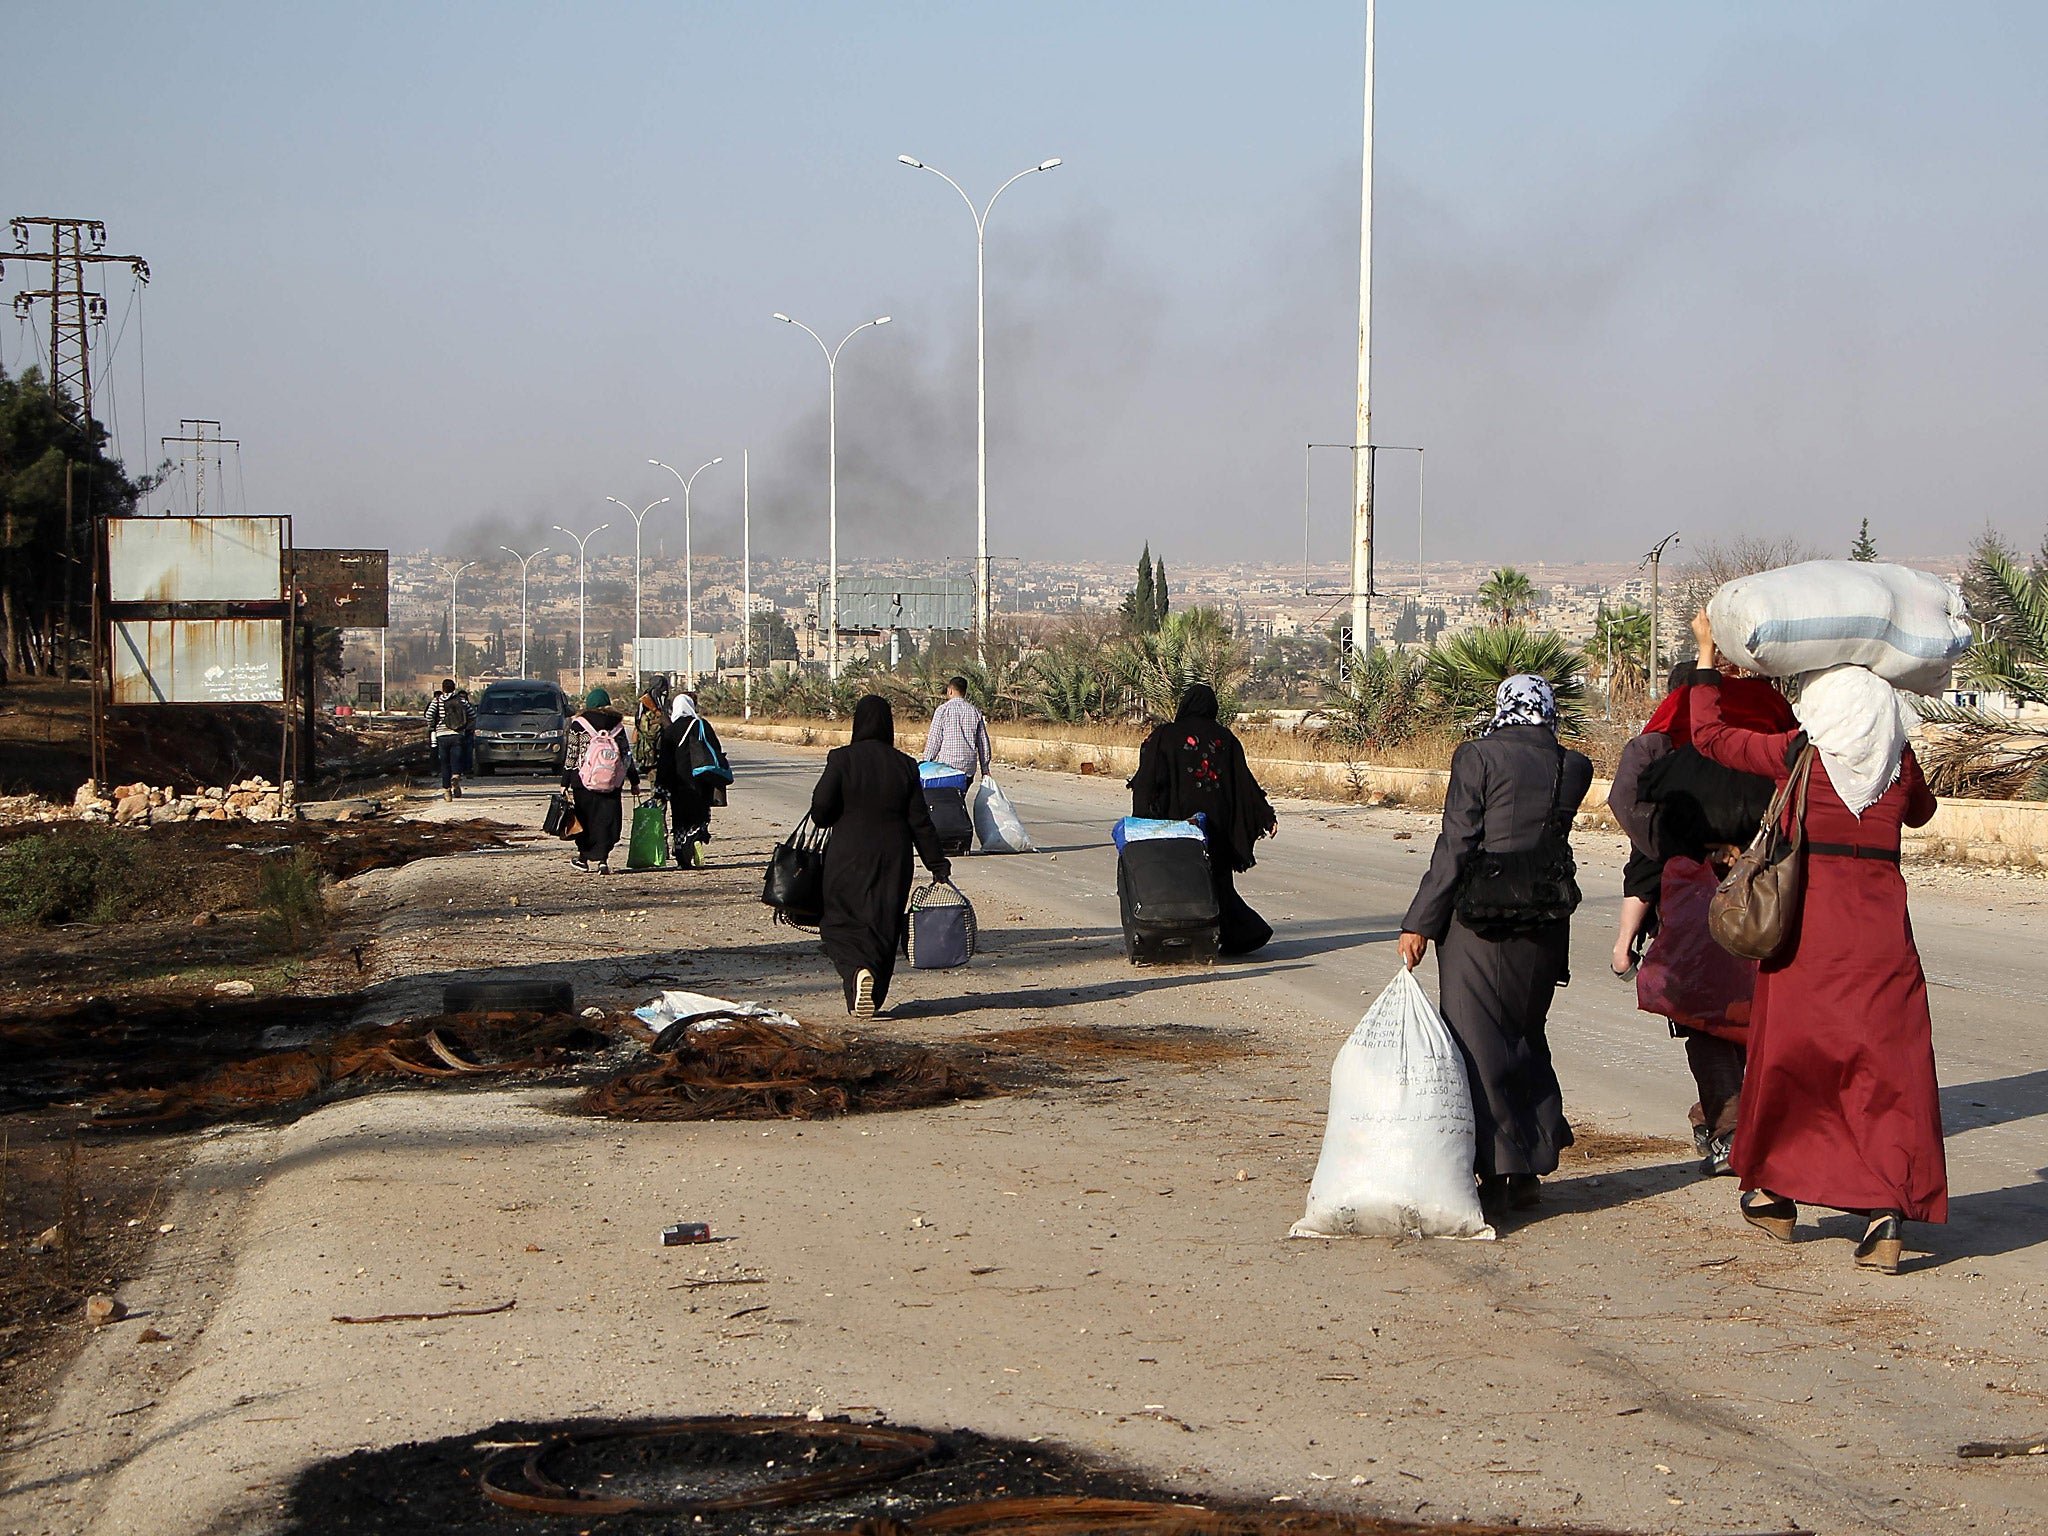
(1982, 831)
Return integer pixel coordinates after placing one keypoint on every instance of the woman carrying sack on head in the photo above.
(871, 798)
(690, 769)
(598, 768)
(1839, 1105)
(1194, 764)
(1512, 792)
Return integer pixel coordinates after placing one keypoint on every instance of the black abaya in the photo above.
(1195, 764)
(869, 795)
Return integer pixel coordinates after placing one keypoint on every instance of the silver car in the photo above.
(521, 723)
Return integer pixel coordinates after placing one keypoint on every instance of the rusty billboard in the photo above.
(198, 661)
(343, 588)
(196, 559)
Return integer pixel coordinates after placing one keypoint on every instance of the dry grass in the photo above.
(1179, 1046)
(1591, 1146)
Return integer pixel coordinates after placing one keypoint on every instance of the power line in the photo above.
(75, 244)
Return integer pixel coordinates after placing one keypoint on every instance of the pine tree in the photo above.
(1159, 597)
(1865, 547)
(1141, 603)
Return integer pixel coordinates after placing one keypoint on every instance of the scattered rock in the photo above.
(235, 988)
(206, 920)
(46, 1241)
(593, 1013)
(131, 808)
(102, 1310)
(151, 1336)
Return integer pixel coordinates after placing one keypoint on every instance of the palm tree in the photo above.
(1461, 675)
(1375, 702)
(1976, 752)
(1195, 645)
(1621, 637)
(1069, 685)
(1509, 595)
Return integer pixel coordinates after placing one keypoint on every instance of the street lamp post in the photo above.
(1653, 559)
(747, 584)
(522, 559)
(582, 645)
(981, 582)
(689, 578)
(454, 653)
(638, 518)
(832, 504)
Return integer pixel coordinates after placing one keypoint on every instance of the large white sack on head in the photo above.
(996, 822)
(1399, 1144)
(1907, 626)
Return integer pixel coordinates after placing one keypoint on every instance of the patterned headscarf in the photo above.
(1523, 699)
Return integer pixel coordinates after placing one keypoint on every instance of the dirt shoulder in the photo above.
(1099, 1260)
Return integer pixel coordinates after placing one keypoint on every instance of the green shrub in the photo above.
(71, 875)
(289, 909)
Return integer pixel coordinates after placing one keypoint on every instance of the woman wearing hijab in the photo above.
(691, 771)
(1839, 1106)
(870, 796)
(1514, 790)
(1675, 804)
(598, 732)
(1196, 765)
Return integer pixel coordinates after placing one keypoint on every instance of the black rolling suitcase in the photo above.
(1169, 906)
(950, 819)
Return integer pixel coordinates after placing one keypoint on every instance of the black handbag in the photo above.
(560, 820)
(1508, 894)
(795, 883)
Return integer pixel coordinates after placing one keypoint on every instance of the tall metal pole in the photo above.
(1653, 559)
(454, 648)
(638, 518)
(982, 601)
(747, 585)
(381, 634)
(582, 565)
(1361, 460)
(832, 494)
(522, 559)
(689, 576)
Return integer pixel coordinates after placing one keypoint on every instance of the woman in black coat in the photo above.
(1196, 765)
(685, 744)
(870, 796)
(1508, 790)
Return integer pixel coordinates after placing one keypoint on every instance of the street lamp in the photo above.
(981, 584)
(689, 580)
(1654, 559)
(638, 518)
(522, 559)
(832, 505)
(454, 656)
(582, 646)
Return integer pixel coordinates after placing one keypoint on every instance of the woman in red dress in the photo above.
(1839, 1106)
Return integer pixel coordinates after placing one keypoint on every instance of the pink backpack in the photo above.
(602, 768)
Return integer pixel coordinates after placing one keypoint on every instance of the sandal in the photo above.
(1770, 1215)
(1883, 1242)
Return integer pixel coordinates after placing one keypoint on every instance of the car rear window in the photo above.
(512, 701)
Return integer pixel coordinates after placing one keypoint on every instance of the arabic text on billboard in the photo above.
(198, 661)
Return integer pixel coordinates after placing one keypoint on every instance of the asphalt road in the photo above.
(1335, 883)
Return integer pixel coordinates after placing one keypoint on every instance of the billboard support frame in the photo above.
(106, 613)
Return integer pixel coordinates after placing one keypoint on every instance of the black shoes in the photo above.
(1769, 1214)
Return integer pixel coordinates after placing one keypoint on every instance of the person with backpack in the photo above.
(691, 773)
(599, 768)
(652, 720)
(448, 721)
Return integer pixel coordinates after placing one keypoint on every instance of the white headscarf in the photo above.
(1858, 722)
(682, 707)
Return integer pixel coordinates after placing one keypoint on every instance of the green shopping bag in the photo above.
(649, 847)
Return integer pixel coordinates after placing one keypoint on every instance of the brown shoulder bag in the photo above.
(1754, 912)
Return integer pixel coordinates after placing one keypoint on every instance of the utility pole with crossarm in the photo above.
(74, 246)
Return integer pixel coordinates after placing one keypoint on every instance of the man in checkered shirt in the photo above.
(959, 734)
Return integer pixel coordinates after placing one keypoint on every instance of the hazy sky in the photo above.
(455, 272)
